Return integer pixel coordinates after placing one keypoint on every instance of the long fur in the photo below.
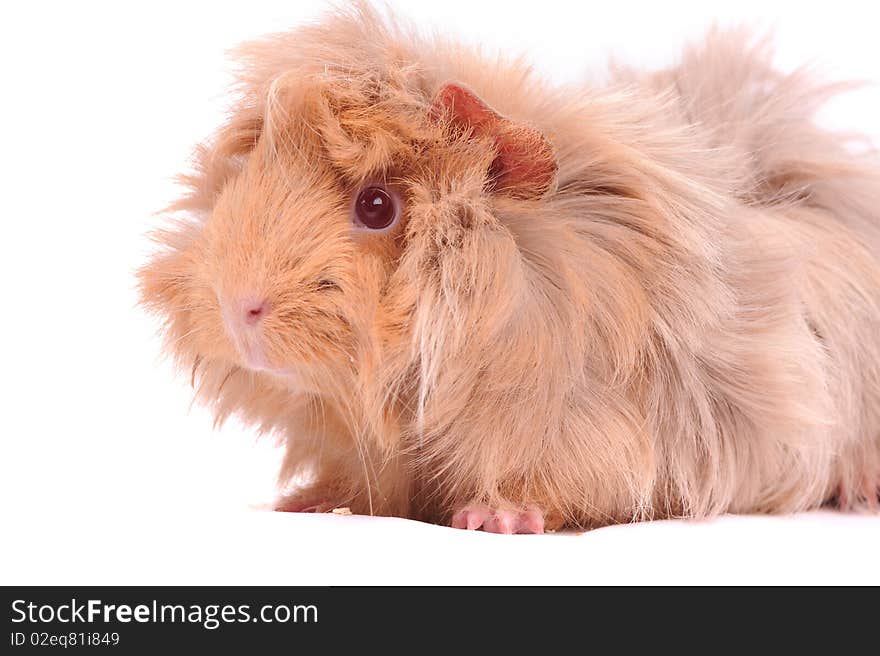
(687, 324)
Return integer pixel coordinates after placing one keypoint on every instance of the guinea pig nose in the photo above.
(254, 310)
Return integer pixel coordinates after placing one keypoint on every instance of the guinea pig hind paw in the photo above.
(478, 516)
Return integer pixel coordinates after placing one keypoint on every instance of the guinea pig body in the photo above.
(460, 294)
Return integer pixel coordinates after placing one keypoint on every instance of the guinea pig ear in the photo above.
(525, 164)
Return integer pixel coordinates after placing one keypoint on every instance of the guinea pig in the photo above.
(461, 294)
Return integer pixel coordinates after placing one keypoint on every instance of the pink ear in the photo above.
(525, 165)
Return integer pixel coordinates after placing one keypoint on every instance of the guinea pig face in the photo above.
(275, 258)
(290, 270)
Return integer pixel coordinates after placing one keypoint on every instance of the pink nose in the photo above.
(253, 311)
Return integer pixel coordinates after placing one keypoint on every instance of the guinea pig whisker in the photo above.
(193, 306)
(196, 363)
(179, 339)
(232, 371)
(360, 443)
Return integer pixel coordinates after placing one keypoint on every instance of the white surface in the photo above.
(105, 477)
(215, 546)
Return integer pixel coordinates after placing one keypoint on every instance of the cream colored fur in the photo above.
(687, 324)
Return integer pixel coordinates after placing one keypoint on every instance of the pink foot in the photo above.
(476, 516)
(866, 496)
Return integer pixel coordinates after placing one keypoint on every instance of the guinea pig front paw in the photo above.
(307, 500)
(478, 516)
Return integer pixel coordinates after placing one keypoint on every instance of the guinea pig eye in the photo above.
(375, 207)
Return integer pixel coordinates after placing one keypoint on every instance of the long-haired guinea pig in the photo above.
(464, 295)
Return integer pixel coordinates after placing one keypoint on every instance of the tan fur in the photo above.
(687, 324)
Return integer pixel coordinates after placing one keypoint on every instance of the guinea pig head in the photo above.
(330, 217)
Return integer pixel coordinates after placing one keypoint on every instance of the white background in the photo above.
(107, 475)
